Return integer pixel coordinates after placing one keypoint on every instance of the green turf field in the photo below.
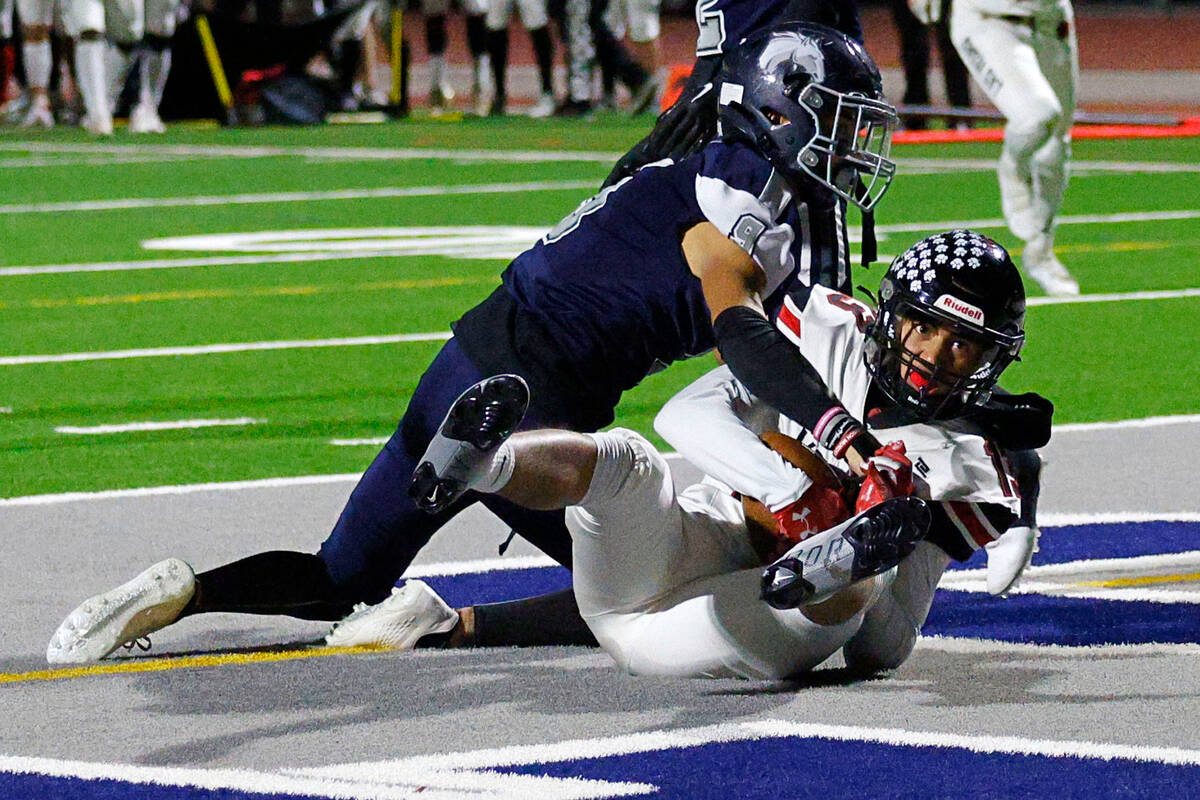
(1118, 359)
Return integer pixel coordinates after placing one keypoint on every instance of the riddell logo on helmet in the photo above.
(959, 309)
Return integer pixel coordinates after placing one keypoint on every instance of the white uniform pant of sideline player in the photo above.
(1028, 67)
(668, 582)
(533, 13)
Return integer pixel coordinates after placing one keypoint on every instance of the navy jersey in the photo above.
(607, 297)
(723, 23)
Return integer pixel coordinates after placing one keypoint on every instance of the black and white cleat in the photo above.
(478, 422)
(867, 544)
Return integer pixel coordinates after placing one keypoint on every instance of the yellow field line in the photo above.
(1116, 247)
(260, 291)
(123, 666)
(1191, 576)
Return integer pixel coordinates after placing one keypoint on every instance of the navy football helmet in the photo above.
(961, 280)
(810, 99)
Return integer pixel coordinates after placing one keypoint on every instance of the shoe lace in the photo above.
(142, 643)
(358, 612)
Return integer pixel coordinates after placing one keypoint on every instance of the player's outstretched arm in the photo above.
(758, 355)
(715, 424)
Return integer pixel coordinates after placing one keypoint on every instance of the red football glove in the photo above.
(816, 510)
(889, 474)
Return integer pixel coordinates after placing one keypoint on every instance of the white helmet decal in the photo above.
(796, 48)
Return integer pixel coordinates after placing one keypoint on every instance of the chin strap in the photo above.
(870, 247)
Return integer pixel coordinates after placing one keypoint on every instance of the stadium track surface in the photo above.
(1132, 59)
(337, 709)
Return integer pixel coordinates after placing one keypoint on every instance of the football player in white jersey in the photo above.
(140, 32)
(84, 22)
(671, 582)
(1023, 55)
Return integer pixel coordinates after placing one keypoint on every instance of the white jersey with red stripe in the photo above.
(715, 422)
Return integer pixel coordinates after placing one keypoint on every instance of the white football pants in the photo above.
(668, 582)
(1029, 68)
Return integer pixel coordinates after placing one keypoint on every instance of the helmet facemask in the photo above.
(852, 141)
(803, 95)
(930, 390)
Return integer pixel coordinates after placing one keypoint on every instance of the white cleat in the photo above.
(100, 625)
(1044, 267)
(145, 119)
(1008, 556)
(39, 115)
(98, 126)
(398, 622)
(544, 107)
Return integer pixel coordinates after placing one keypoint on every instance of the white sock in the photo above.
(437, 65)
(90, 75)
(38, 60)
(496, 475)
(116, 63)
(155, 65)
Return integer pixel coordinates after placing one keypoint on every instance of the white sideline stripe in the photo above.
(248, 781)
(1039, 579)
(179, 424)
(210, 349)
(187, 488)
(481, 565)
(1144, 422)
(412, 769)
(965, 645)
(1063, 519)
(293, 197)
(377, 441)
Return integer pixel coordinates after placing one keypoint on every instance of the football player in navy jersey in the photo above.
(667, 264)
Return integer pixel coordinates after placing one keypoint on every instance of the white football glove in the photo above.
(928, 11)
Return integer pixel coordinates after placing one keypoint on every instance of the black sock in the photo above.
(435, 34)
(275, 582)
(476, 35)
(549, 619)
(543, 49)
(498, 50)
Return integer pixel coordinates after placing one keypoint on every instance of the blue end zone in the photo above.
(1074, 621)
(1107, 540)
(494, 587)
(1032, 618)
(793, 769)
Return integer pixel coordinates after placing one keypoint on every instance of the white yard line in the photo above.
(211, 349)
(1166, 294)
(1069, 219)
(292, 197)
(170, 425)
(523, 156)
(205, 261)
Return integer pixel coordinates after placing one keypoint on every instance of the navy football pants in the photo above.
(381, 530)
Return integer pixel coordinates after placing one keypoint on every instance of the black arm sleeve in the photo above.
(776, 372)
